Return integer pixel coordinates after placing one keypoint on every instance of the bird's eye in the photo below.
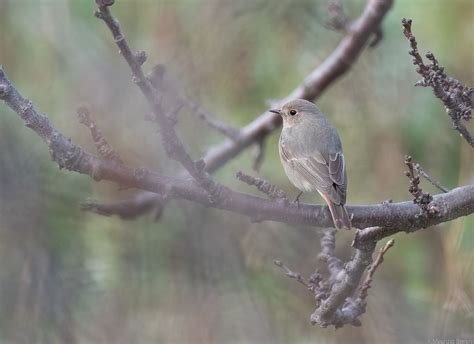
(293, 112)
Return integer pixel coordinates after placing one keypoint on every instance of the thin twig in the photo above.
(425, 175)
(456, 97)
(127, 209)
(222, 127)
(156, 76)
(171, 142)
(295, 275)
(371, 270)
(104, 149)
(269, 189)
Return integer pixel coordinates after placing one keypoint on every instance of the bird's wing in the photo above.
(337, 173)
(328, 177)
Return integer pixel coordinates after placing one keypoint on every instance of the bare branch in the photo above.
(156, 76)
(224, 128)
(272, 191)
(328, 244)
(338, 21)
(104, 149)
(337, 302)
(312, 87)
(370, 272)
(392, 217)
(457, 98)
(421, 198)
(343, 306)
(318, 80)
(425, 175)
(127, 209)
(173, 145)
(378, 36)
(334, 310)
(297, 276)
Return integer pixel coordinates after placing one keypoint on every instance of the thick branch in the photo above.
(328, 245)
(330, 311)
(392, 217)
(347, 301)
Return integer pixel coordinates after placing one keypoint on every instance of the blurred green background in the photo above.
(202, 275)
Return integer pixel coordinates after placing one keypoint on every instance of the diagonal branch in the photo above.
(173, 145)
(425, 175)
(336, 64)
(371, 270)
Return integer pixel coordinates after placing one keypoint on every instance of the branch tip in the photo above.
(271, 190)
(104, 149)
(455, 96)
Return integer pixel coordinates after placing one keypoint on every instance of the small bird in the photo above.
(311, 154)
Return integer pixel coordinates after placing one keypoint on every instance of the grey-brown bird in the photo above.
(311, 154)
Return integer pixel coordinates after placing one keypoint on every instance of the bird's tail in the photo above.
(339, 215)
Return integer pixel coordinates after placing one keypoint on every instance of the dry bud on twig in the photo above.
(423, 199)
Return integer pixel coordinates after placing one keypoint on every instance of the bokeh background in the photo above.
(203, 275)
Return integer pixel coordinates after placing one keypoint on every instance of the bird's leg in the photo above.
(297, 199)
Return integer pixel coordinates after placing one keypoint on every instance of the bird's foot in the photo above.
(297, 199)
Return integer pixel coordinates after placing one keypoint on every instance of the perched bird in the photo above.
(311, 154)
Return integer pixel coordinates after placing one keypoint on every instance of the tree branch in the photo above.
(337, 300)
(173, 145)
(457, 98)
(312, 87)
(392, 217)
(371, 270)
(333, 310)
(272, 191)
(335, 65)
(104, 149)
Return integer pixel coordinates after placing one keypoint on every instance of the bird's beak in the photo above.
(277, 111)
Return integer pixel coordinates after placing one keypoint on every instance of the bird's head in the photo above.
(296, 111)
